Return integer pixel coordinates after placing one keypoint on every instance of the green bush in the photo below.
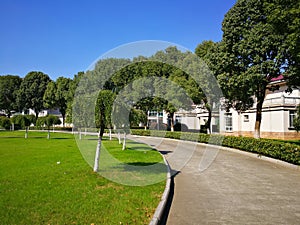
(21, 121)
(47, 121)
(288, 152)
(5, 122)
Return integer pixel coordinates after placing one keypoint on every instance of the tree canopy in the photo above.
(250, 54)
(57, 95)
(9, 85)
(31, 92)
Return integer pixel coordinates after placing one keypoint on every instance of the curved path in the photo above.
(235, 189)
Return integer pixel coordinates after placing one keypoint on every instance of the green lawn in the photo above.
(35, 189)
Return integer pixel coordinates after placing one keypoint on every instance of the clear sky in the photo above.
(63, 37)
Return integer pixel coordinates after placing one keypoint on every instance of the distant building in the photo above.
(277, 115)
(279, 110)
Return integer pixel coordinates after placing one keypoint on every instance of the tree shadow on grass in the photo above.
(135, 173)
(139, 148)
(62, 138)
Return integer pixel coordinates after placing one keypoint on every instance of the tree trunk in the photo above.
(98, 149)
(119, 137)
(259, 105)
(257, 123)
(48, 135)
(239, 123)
(208, 125)
(124, 142)
(110, 134)
(26, 132)
(63, 117)
(172, 121)
(80, 136)
(36, 115)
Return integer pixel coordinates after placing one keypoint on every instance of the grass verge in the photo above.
(36, 189)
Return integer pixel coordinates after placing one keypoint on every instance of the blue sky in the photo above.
(63, 37)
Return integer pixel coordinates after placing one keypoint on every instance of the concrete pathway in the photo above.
(235, 189)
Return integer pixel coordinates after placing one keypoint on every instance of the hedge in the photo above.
(287, 152)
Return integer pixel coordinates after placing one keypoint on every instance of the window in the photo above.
(292, 115)
(228, 121)
(156, 114)
(246, 118)
(152, 113)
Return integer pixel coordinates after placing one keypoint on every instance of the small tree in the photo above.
(103, 119)
(48, 121)
(23, 121)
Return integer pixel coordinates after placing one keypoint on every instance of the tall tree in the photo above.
(57, 95)
(252, 52)
(31, 92)
(9, 85)
(284, 19)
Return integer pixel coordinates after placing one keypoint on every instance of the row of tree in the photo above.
(36, 91)
(260, 42)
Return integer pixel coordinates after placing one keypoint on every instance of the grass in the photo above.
(35, 189)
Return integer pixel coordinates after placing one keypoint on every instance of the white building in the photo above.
(277, 116)
(46, 112)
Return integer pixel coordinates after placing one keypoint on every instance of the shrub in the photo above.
(5, 122)
(21, 121)
(288, 152)
(48, 121)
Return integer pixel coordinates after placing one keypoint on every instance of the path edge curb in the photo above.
(158, 214)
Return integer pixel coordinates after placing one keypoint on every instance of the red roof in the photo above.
(280, 77)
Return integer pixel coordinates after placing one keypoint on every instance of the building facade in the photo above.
(279, 110)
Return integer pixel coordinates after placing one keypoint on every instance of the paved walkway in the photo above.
(235, 189)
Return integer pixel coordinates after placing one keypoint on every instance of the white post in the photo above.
(97, 154)
(124, 142)
(119, 137)
(26, 132)
(110, 134)
(239, 123)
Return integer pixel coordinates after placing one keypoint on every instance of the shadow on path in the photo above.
(166, 212)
